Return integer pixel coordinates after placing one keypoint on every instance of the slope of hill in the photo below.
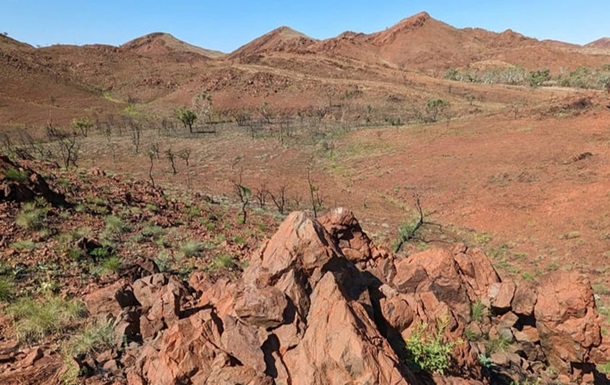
(604, 42)
(282, 39)
(159, 43)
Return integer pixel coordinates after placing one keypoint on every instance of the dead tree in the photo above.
(408, 230)
(279, 199)
(68, 142)
(244, 194)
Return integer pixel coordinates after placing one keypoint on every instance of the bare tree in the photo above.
(68, 142)
(244, 194)
(409, 229)
(279, 199)
(261, 194)
(317, 200)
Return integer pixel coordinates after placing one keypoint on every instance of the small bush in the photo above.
(15, 175)
(25, 245)
(6, 289)
(478, 311)
(223, 262)
(499, 344)
(31, 216)
(191, 248)
(95, 338)
(152, 231)
(427, 352)
(115, 225)
(33, 319)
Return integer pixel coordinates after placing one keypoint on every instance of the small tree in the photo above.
(151, 156)
(171, 156)
(266, 112)
(435, 108)
(68, 142)
(279, 199)
(187, 117)
(261, 194)
(538, 77)
(83, 125)
(317, 200)
(243, 194)
(203, 102)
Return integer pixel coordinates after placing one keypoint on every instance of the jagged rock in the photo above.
(110, 299)
(159, 295)
(567, 319)
(34, 186)
(341, 344)
(306, 313)
(244, 342)
(344, 227)
(262, 307)
(524, 300)
(500, 296)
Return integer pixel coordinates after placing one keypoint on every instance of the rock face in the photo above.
(566, 319)
(320, 304)
(21, 184)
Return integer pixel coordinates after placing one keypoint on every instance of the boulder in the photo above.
(342, 344)
(567, 319)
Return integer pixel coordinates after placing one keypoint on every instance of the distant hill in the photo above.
(282, 39)
(160, 43)
(604, 43)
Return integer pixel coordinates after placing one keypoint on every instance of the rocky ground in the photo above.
(317, 303)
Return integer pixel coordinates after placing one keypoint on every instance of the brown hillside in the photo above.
(282, 39)
(159, 43)
(604, 42)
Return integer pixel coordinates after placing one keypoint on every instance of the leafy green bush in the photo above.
(15, 175)
(428, 352)
(539, 77)
(35, 319)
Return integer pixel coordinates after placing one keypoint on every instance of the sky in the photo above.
(225, 25)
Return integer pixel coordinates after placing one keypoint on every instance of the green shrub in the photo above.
(191, 248)
(223, 262)
(499, 344)
(25, 245)
(152, 231)
(115, 225)
(539, 77)
(15, 175)
(428, 352)
(478, 311)
(6, 289)
(95, 338)
(33, 320)
(31, 216)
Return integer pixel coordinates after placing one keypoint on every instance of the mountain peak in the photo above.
(281, 39)
(161, 43)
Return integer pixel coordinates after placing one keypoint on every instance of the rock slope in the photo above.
(320, 304)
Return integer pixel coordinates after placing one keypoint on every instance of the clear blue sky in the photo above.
(225, 25)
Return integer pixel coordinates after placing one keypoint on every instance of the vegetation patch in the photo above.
(33, 320)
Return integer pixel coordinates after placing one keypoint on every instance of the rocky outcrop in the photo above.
(21, 184)
(320, 304)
